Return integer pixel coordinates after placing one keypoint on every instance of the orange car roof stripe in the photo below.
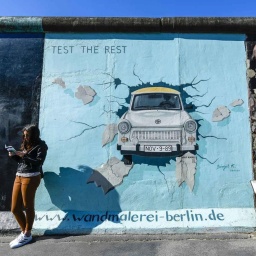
(155, 90)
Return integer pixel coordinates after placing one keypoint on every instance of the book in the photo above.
(10, 148)
(253, 182)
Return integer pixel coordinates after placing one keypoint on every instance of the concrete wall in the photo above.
(21, 60)
(85, 86)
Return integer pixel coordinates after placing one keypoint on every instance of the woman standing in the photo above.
(29, 172)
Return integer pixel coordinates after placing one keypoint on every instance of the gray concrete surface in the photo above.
(243, 25)
(235, 244)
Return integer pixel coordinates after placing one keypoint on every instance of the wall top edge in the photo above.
(245, 25)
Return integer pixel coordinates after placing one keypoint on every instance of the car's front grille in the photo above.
(173, 135)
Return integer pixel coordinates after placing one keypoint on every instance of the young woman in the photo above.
(30, 160)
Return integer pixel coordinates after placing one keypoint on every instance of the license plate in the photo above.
(158, 148)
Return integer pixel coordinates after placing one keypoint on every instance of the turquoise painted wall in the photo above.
(86, 86)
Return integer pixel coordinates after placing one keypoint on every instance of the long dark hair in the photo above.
(34, 137)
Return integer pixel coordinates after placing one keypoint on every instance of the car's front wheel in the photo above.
(127, 159)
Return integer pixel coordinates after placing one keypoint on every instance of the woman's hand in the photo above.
(20, 153)
(11, 153)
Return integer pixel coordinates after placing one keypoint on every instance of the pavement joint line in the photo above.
(89, 239)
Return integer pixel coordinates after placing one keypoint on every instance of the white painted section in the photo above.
(189, 220)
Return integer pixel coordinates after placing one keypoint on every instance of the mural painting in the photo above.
(146, 131)
(144, 134)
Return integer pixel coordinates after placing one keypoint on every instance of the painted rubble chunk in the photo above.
(186, 169)
(85, 93)
(220, 113)
(113, 160)
(60, 82)
(109, 134)
(237, 102)
(110, 175)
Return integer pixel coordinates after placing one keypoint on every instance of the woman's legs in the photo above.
(28, 190)
(17, 204)
(24, 191)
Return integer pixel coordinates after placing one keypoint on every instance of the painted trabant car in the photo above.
(156, 124)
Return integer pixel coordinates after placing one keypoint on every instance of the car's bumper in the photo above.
(140, 150)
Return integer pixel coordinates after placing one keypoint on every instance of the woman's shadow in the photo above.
(85, 205)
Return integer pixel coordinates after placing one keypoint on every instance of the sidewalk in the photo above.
(235, 244)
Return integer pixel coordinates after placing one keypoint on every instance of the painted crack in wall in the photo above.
(89, 127)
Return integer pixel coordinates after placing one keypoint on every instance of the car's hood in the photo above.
(156, 118)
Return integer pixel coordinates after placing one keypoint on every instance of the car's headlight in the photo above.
(124, 126)
(190, 126)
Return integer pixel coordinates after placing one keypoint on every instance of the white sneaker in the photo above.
(20, 241)
(16, 239)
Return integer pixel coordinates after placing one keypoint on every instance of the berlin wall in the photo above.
(149, 122)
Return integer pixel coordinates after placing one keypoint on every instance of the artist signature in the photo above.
(228, 167)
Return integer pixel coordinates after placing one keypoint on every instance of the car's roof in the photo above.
(156, 90)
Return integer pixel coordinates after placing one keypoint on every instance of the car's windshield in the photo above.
(165, 101)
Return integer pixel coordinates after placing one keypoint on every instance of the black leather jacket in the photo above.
(33, 160)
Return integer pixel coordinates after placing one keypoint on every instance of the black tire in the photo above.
(127, 159)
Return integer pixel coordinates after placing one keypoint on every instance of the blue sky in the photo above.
(128, 8)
